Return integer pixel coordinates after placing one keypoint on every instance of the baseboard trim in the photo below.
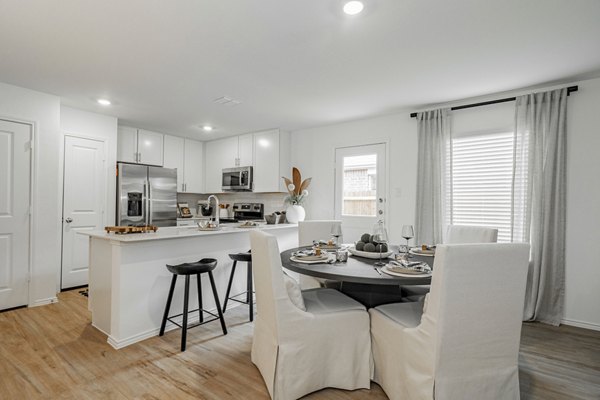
(581, 324)
(192, 319)
(43, 302)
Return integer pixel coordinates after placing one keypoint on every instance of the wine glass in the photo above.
(407, 233)
(380, 237)
(336, 232)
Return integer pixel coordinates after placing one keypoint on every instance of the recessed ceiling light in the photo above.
(353, 7)
(207, 128)
(104, 102)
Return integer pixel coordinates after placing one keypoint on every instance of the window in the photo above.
(360, 185)
(479, 190)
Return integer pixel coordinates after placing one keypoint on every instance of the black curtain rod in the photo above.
(570, 90)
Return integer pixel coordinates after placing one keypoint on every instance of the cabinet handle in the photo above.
(139, 157)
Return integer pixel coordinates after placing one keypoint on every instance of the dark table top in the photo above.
(357, 270)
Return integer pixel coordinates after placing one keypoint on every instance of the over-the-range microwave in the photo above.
(237, 179)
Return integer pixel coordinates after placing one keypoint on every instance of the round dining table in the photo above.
(359, 277)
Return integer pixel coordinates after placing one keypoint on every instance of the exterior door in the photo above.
(15, 202)
(360, 180)
(83, 205)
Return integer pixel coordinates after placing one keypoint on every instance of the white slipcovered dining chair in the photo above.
(455, 234)
(307, 232)
(470, 234)
(463, 344)
(305, 341)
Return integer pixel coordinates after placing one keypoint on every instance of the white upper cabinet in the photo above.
(193, 170)
(222, 153)
(268, 152)
(139, 146)
(150, 147)
(187, 156)
(271, 160)
(127, 144)
(174, 156)
(245, 155)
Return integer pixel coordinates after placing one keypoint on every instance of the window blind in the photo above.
(481, 174)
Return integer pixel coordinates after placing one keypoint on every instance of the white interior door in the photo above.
(15, 201)
(360, 187)
(83, 205)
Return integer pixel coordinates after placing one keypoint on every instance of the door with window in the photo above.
(15, 201)
(83, 205)
(360, 187)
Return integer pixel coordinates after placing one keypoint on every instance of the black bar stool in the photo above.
(206, 265)
(247, 258)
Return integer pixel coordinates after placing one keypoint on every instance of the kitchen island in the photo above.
(129, 283)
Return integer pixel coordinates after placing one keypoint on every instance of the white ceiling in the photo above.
(292, 63)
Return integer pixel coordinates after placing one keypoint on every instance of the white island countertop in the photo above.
(181, 232)
(129, 281)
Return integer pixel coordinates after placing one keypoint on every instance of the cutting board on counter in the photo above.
(130, 229)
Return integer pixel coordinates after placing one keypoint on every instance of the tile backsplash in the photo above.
(272, 201)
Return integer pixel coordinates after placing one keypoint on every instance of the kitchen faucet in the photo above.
(215, 209)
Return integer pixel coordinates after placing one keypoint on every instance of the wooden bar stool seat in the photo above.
(247, 258)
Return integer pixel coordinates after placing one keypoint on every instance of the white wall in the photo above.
(313, 153)
(582, 307)
(43, 111)
(96, 126)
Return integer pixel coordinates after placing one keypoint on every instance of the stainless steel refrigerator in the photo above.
(146, 195)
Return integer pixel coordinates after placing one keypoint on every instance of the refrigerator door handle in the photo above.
(149, 205)
(146, 214)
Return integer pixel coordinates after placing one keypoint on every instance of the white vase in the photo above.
(295, 214)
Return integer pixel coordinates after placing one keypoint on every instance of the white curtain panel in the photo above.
(433, 128)
(539, 192)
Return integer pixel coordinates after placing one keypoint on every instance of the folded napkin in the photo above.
(409, 267)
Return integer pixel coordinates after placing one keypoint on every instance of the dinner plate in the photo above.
(407, 274)
(310, 259)
(418, 252)
(368, 254)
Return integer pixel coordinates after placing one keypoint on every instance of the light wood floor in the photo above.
(53, 352)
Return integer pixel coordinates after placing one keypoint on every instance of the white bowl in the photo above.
(369, 254)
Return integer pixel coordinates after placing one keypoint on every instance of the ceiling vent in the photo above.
(227, 101)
